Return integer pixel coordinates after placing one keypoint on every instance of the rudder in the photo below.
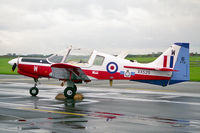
(182, 65)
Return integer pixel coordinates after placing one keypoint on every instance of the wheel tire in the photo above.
(69, 92)
(34, 91)
(75, 88)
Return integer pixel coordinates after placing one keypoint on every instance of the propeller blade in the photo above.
(13, 67)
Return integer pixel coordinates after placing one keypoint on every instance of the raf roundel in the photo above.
(112, 67)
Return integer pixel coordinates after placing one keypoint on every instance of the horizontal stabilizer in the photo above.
(148, 68)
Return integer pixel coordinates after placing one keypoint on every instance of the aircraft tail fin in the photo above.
(182, 65)
(176, 57)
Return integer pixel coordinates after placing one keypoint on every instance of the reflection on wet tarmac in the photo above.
(102, 110)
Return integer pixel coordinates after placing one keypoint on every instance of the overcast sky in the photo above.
(142, 26)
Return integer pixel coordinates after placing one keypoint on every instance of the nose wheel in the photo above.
(34, 90)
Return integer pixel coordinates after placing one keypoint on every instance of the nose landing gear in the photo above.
(34, 90)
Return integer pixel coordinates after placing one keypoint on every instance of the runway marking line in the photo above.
(155, 90)
(96, 114)
(51, 111)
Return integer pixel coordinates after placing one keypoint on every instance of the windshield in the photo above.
(78, 56)
(56, 58)
(59, 57)
(72, 56)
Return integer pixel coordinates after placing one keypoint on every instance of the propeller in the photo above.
(14, 67)
(14, 63)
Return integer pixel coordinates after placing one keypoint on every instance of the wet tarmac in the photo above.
(125, 107)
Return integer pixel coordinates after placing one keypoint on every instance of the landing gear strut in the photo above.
(71, 89)
(34, 90)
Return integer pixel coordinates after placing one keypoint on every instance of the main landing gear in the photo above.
(71, 89)
(34, 90)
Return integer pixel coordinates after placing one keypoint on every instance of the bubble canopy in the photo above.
(71, 55)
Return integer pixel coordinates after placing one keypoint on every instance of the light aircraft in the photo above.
(169, 68)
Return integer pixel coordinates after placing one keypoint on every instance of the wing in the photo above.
(64, 71)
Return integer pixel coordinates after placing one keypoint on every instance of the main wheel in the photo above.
(34, 91)
(75, 88)
(69, 92)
